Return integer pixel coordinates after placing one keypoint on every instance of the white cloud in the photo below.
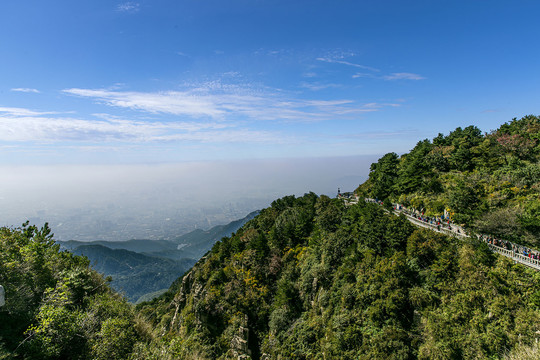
(335, 61)
(338, 59)
(363, 75)
(128, 7)
(171, 102)
(15, 112)
(206, 112)
(26, 90)
(315, 86)
(403, 76)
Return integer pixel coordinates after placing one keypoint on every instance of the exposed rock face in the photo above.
(189, 285)
(180, 297)
(240, 341)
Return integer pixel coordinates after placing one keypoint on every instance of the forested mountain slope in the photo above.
(311, 278)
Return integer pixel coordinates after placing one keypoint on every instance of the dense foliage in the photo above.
(310, 278)
(489, 182)
(56, 306)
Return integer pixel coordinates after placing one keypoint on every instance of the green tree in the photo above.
(414, 170)
(115, 340)
(383, 175)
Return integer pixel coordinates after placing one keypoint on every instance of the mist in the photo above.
(161, 201)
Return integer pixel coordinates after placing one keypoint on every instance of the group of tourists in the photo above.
(515, 248)
(530, 253)
(435, 221)
(505, 244)
(375, 201)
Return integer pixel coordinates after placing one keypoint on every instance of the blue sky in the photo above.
(115, 82)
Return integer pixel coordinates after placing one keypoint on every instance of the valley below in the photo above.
(143, 268)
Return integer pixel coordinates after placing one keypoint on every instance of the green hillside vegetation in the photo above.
(57, 307)
(312, 279)
(489, 182)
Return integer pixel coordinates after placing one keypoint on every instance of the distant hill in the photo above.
(134, 274)
(196, 243)
(136, 245)
(191, 245)
(144, 267)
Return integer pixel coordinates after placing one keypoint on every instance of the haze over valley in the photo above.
(162, 201)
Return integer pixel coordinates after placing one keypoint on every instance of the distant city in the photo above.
(116, 223)
(117, 203)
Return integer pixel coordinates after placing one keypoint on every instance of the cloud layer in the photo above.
(18, 124)
(202, 112)
(225, 102)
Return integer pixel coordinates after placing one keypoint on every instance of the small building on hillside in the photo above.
(349, 197)
(345, 195)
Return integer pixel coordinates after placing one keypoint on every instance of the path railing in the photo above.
(522, 259)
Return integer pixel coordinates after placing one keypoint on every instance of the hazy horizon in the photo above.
(120, 202)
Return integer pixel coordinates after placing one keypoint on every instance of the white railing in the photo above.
(520, 258)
